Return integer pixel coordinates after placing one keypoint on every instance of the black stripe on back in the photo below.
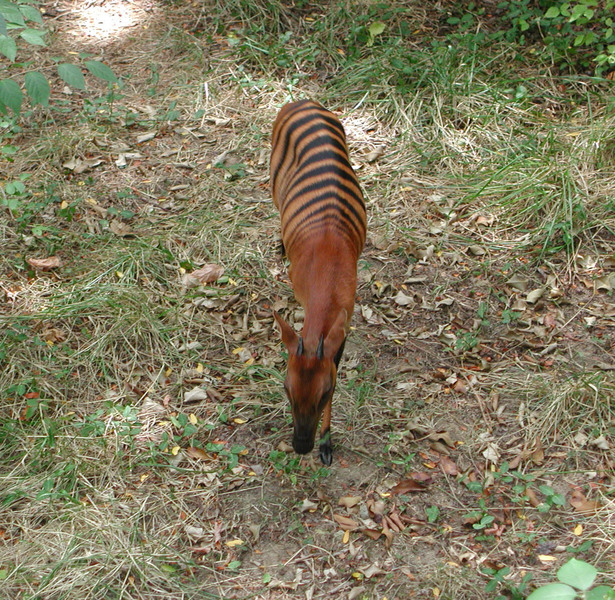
(342, 222)
(335, 180)
(337, 203)
(292, 125)
(323, 139)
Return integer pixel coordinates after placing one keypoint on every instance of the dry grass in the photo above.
(116, 484)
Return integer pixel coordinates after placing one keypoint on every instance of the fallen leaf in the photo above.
(308, 505)
(146, 137)
(532, 497)
(346, 522)
(194, 533)
(582, 504)
(407, 485)
(448, 466)
(120, 228)
(208, 273)
(45, 264)
(519, 283)
(371, 571)
(284, 447)
(198, 453)
(535, 295)
(374, 154)
(78, 165)
(233, 543)
(349, 501)
(476, 250)
(404, 300)
(601, 442)
(195, 394)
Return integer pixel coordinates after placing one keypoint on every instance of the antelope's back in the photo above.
(312, 182)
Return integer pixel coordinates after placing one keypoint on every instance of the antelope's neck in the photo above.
(324, 277)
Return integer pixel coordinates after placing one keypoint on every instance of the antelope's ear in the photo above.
(289, 338)
(336, 335)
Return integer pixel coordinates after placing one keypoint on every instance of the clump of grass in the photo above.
(580, 403)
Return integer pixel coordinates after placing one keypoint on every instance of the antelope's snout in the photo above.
(303, 437)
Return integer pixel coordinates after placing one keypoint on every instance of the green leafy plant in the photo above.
(551, 499)
(498, 580)
(19, 21)
(580, 33)
(576, 579)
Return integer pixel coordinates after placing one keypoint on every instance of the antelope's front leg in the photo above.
(326, 449)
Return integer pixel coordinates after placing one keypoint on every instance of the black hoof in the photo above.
(326, 452)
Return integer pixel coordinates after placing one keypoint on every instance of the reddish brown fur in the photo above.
(323, 256)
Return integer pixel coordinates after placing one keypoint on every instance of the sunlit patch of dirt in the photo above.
(104, 21)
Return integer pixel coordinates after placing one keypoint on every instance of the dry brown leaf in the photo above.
(346, 523)
(284, 447)
(582, 504)
(374, 534)
(535, 295)
(404, 300)
(460, 386)
(374, 154)
(349, 501)
(198, 453)
(120, 228)
(53, 335)
(78, 165)
(208, 273)
(45, 264)
(195, 394)
(407, 485)
(146, 137)
(601, 442)
(442, 436)
(308, 505)
(532, 497)
(448, 466)
(538, 455)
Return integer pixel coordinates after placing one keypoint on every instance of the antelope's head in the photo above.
(310, 380)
